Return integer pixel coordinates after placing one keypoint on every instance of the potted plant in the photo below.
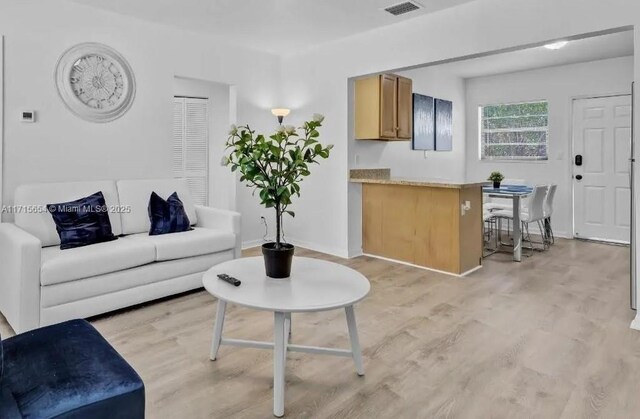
(496, 178)
(274, 166)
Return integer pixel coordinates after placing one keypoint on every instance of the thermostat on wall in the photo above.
(28, 116)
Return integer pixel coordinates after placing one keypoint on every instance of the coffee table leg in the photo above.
(217, 329)
(279, 363)
(355, 341)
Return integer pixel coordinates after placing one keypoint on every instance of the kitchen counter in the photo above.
(383, 177)
(434, 224)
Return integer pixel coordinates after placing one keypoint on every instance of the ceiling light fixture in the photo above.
(556, 45)
(280, 113)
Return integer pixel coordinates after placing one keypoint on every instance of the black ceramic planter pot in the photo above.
(277, 262)
(496, 185)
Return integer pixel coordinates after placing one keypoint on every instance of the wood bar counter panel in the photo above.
(471, 230)
(437, 226)
(398, 206)
(423, 225)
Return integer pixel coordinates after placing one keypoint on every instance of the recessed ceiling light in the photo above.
(556, 45)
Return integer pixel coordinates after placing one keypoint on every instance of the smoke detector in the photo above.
(402, 8)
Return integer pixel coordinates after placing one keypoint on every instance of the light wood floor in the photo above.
(547, 338)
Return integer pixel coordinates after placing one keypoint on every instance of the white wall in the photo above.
(316, 81)
(225, 190)
(400, 158)
(222, 186)
(1, 119)
(557, 85)
(398, 155)
(62, 147)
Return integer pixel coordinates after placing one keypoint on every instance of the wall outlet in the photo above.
(466, 206)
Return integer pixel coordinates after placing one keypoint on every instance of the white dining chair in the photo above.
(533, 214)
(548, 211)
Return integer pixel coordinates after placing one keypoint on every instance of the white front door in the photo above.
(601, 192)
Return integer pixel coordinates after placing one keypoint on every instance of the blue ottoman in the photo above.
(67, 370)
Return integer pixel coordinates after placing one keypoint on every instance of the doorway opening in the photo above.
(529, 148)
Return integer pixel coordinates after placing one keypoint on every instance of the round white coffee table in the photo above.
(315, 285)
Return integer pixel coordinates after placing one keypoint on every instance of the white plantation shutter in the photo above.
(191, 145)
(178, 137)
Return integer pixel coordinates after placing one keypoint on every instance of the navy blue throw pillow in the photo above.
(82, 222)
(167, 216)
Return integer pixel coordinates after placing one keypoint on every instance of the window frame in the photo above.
(512, 159)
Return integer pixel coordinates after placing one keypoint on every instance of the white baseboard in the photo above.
(635, 324)
(251, 243)
(424, 267)
(563, 235)
(354, 253)
(300, 243)
(319, 248)
(534, 231)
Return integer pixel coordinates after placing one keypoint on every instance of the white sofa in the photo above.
(41, 284)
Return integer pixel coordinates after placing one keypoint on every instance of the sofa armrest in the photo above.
(20, 260)
(221, 220)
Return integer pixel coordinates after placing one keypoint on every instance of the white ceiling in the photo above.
(583, 50)
(270, 25)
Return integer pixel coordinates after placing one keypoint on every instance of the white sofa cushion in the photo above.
(199, 241)
(68, 292)
(38, 220)
(136, 194)
(60, 266)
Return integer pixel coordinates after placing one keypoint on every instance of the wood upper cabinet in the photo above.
(384, 108)
(388, 106)
(405, 108)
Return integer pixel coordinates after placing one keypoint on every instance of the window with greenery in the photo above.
(516, 131)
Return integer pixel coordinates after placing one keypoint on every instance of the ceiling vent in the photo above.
(402, 8)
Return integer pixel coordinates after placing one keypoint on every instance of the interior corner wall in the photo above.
(398, 156)
(316, 80)
(558, 86)
(61, 147)
(1, 122)
(404, 162)
(221, 182)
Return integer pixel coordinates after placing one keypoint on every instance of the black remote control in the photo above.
(230, 279)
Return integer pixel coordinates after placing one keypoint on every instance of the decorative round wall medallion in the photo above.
(95, 82)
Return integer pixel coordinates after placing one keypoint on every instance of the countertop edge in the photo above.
(408, 182)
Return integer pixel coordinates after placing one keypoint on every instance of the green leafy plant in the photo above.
(274, 166)
(496, 177)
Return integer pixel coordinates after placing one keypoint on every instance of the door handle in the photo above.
(578, 160)
(578, 177)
